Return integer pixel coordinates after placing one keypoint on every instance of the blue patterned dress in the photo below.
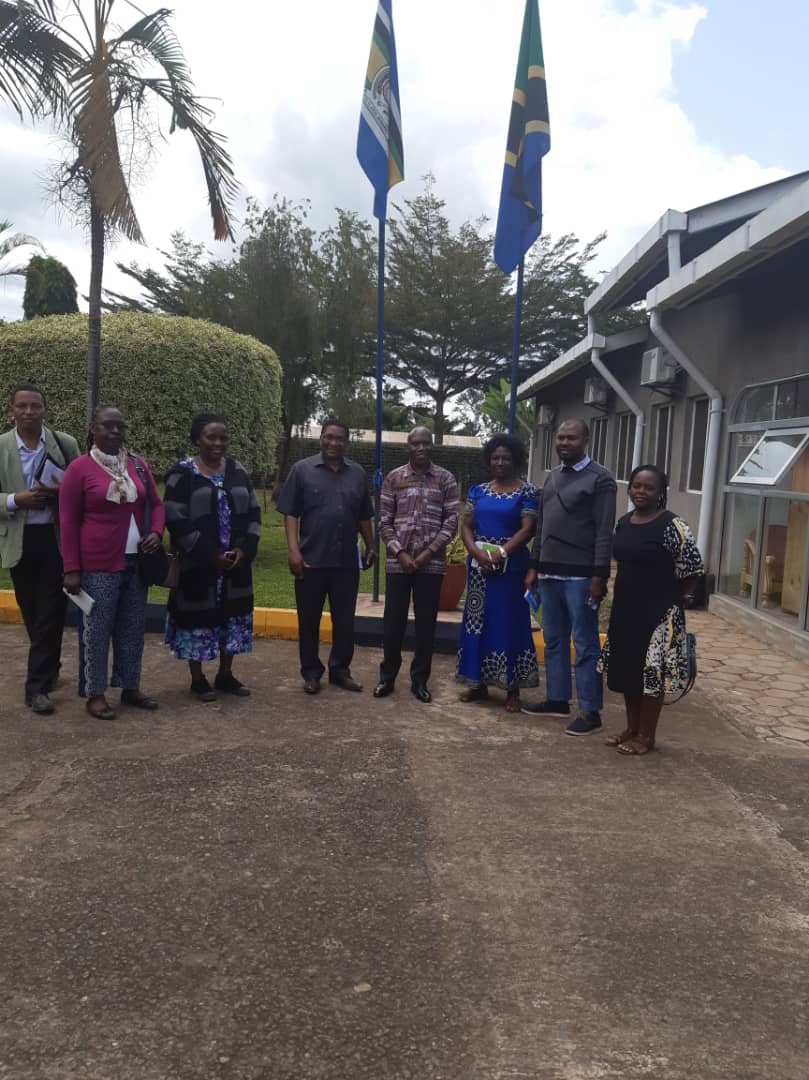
(496, 647)
(235, 635)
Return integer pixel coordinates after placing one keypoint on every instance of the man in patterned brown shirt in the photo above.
(418, 518)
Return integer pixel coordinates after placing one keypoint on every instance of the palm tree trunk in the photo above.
(94, 298)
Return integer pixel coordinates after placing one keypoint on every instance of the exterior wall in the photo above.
(756, 332)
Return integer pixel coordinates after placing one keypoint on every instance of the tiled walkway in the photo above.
(762, 693)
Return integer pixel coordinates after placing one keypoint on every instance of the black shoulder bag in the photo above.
(156, 568)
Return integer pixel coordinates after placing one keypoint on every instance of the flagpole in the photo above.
(380, 346)
(515, 351)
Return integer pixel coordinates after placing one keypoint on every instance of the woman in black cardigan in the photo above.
(213, 516)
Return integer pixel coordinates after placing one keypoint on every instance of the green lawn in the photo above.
(272, 581)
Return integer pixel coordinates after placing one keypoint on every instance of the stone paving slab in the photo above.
(765, 695)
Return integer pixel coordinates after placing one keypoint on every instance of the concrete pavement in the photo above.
(343, 888)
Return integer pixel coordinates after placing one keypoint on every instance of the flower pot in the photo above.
(452, 586)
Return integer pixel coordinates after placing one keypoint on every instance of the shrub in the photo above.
(159, 370)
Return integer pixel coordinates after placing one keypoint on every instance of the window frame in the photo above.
(666, 409)
(627, 427)
(600, 425)
(694, 402)
(772, 479)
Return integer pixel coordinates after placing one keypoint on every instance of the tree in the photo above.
(13, 246)
(447, 314)
(345, 275)
(160, 371)
(101, 89)
(495, 409)
(50, 288)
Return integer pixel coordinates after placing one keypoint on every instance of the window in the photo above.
(696, 450)
(598, 440)
(548, 445)
(772, 455)
(625, 446)
(784, 400)
(664, 415)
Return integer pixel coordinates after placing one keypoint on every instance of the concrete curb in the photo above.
(282, 624)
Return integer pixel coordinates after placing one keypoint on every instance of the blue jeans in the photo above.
(564, 612)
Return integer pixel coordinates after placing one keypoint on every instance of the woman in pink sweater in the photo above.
(101, 517)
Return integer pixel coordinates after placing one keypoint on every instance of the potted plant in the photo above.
(454, 582)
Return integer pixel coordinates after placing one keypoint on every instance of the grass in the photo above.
(273, 585)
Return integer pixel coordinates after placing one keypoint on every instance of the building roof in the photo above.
(700, 230)
(579, 357)
(780, 225)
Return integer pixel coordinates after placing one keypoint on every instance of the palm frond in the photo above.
(35, 59)
(97, 140)
(153, 37)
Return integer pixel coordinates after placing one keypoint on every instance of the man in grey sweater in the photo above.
(570, 559)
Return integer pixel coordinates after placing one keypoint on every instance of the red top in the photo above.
(92, 530)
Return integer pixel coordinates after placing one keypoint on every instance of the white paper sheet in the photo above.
(81, 599)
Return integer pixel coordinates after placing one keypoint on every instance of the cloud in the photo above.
(288, 78)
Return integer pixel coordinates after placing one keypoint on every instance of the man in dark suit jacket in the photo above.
(28, 536)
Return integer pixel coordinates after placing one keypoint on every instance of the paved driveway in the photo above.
(341, 888)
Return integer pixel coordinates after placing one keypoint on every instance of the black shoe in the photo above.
(202, 689)
(383, 688)
(311, 685)
(41, 704)
(419, 690)
(229, 684)
(547, 708)
(345, 682)
(586, 724)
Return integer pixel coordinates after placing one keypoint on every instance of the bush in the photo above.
(159, 370)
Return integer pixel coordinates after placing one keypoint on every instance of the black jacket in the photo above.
(193, 523)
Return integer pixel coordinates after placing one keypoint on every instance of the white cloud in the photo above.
(287, 80)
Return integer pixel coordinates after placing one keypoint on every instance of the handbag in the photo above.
(691, 667)
(156, 567)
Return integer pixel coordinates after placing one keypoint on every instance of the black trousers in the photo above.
(340, 585)
(425, 589)
(37, 579)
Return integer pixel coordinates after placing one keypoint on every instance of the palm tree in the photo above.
(14, 243)
(99, 82)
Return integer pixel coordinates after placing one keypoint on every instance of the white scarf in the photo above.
(122, 487)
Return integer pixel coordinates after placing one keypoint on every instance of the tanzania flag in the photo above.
(519, 219)
(379, 143)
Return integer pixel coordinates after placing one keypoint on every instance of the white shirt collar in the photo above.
(21, 445)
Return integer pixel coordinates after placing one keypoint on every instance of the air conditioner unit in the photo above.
(657, 368)
(595, 391)
(545, 415)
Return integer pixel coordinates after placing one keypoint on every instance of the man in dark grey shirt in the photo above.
(571, 558)
(325, 503)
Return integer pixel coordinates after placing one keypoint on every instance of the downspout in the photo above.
(631, 404)
(715, 409)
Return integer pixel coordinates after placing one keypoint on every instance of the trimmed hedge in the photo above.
(464, 462)
(159, 370)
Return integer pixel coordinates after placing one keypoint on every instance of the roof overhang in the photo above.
(700, 229)
(579, 356)
(646, 254)
(777, 227)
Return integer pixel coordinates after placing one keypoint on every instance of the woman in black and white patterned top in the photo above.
(644, 656)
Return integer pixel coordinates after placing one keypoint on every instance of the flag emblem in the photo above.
(379, 142)
(519, 219)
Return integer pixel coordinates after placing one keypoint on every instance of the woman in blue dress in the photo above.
(496, 647)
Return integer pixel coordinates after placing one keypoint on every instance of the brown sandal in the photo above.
(102, 711)
(617, 740)
(637, 746)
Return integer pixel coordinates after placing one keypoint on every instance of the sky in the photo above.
(653, 105)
